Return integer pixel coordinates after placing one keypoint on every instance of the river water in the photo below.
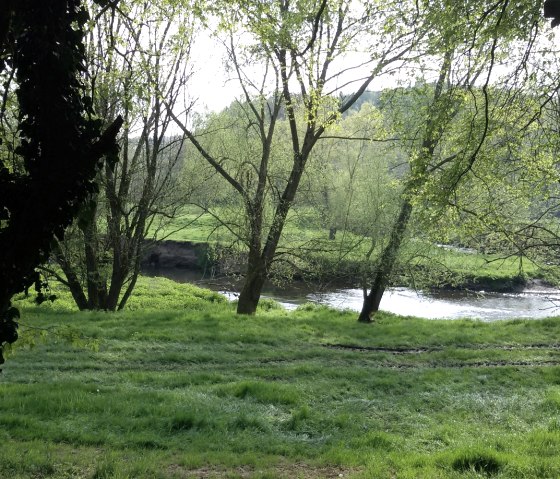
(534, 302)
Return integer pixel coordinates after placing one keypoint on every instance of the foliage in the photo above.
(101, 255)
(444, 126)
(42, 183)
(285, 57)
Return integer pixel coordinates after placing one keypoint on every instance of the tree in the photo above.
(509, 205)
(138, 55)
(296, 50)
(59, 145)
(466, 40)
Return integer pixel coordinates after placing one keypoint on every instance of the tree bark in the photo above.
(251, 292)
(72, 280)
(385, 264)
(255, 278)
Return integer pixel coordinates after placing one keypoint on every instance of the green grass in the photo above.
(177, 386)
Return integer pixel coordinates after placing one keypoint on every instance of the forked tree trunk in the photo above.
(386, 264)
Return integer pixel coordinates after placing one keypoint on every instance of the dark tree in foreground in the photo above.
(59, 145)
(552, 10)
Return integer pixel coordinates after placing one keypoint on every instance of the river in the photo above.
(534, 302)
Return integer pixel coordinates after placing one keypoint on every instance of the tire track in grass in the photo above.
(402, 351)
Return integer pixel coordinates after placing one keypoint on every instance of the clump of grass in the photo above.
(267, 304)
(375, 440)
(186, 421)
(552, 401)
(244, 421)
(312, 307)
(105, 469)
(298, 418)
(479, 461)
(263, 392)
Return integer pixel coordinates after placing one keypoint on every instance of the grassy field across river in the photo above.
(178, 386)
(422, 265)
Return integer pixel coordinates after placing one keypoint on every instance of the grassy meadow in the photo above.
(178, 386)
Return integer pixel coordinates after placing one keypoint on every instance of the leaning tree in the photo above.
(468, 42)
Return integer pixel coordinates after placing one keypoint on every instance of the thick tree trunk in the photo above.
(385, 264)
(254, 281)
(251, 292)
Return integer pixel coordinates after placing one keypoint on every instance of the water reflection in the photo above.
(452, 305)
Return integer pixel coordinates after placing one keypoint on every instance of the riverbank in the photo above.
(178, 386)
(452, 270)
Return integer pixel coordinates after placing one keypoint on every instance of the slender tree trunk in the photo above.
(119, 266)
(74, 285)
(386, 263)
(97, 289)
(389, 255)
(76, 290)
(131, 284)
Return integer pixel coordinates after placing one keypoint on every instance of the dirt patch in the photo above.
(381, 349)
(454, 364)
(281, 471)
(472, 364)
(474, 347)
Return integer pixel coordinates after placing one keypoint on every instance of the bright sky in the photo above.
(212, 89)
(208, 85)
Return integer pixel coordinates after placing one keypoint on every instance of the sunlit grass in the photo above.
(178, 386)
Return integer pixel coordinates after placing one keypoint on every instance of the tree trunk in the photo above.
(253, 285)
(75, 287)
(72, 280)
(385, 264)
(96, 286)
(251, 292)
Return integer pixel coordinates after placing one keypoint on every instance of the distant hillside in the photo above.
(373, 97)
